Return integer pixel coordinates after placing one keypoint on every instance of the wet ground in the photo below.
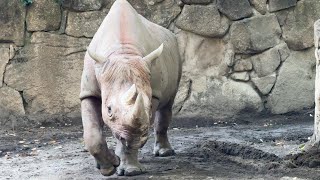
(243, 148)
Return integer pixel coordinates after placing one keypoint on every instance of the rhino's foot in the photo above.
(106, 171)
(163, 151)
(130, 169)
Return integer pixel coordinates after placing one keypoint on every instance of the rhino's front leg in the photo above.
(94, 139)
(129, 164)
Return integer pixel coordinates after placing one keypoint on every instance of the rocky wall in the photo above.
(239, 56)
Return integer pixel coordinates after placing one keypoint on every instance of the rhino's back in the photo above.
(166, 72)
(123, 25)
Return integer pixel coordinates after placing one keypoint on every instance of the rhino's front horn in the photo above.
(95, 56)
(138, 109)
(130, 96)
(153, 55)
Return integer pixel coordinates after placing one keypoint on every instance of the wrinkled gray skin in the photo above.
(128, 102)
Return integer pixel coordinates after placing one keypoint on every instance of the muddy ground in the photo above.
(242, 148)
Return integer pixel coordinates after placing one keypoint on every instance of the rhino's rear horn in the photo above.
(96, 57)
(130, 96)
(153, 55)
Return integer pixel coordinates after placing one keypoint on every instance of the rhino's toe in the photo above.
(107, 171)
(134, 171)
(130, 170)
(164, 152)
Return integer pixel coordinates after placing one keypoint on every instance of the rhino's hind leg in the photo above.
(129, 164)
(163, 118)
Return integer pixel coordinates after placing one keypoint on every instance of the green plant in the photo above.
(26, 2)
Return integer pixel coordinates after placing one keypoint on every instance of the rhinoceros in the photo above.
(131, 75)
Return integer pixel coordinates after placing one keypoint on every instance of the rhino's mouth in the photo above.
(130, 139)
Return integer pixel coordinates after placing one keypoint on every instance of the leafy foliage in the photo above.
(26, 2)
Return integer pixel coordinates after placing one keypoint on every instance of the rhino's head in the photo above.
(126, 95)
(127, 114)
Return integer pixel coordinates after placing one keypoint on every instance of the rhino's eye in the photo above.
(109, 111)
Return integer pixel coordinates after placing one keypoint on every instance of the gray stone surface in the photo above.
(282, 16)
(235, 9)
(267, 62)
(265, 84)
(10, 103)
(221, 98)
(298, 27)
(283, 50)
(203, 20)
(82, 5)
(183, 94)
(84, 24)
(197, 55)
(4, 59)
(276, 5)
(229, 56)
(159, 12)
(47, 72)
(197, 1)
(11, 51)
(205, 90)
(294, 89)
(243, 65)
(255, 34)
(241, 76)
(260, 6)
(43, 15)
(12, 18)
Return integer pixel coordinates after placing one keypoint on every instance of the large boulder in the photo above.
(298, 26)
(12, 20)
(203, 20)
(197, 55)
(12, 110)
(43, 15)
(204, 89)
(220, 98)
(235, 9)
(4, 59)
(294, 89)
(276, 5)
(47, 73)
(183, 94)
(10, 103)
(264, 84)
(267, 62)
(158, 11)
(82, 5)
(255, 34)
(84, 24)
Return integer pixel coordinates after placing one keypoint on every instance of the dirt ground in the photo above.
(242, 148)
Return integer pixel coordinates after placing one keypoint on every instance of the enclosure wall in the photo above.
(239, 57)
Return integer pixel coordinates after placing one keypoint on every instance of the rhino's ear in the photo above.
(130, 96)
(153, 55)
(96, 57)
